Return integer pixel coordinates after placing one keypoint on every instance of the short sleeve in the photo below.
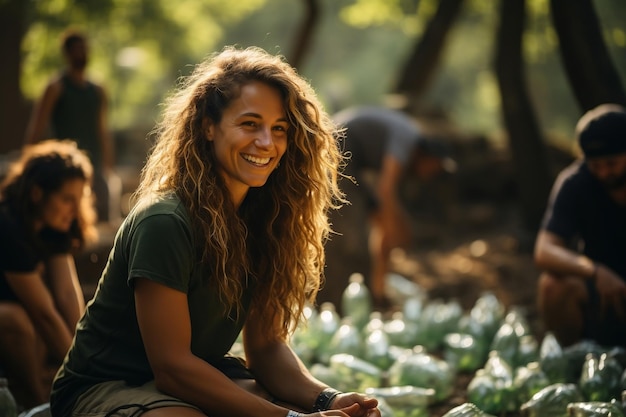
(562, 213)
(161, 249)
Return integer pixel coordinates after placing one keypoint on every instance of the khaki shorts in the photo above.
(118, 399)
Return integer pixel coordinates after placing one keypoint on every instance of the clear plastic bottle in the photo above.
(327, 323)
(8, 407)
(347, 339)
(356, 301)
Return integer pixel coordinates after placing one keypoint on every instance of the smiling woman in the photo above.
(250, 139)
(227, 237)
(45, 215)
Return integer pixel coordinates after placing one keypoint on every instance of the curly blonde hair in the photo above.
(277, 236)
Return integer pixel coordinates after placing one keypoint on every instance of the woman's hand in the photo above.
(355, 405)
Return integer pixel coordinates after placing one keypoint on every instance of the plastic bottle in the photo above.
(305, 339)
(506, 343)
(489, 312)
(438, 318)
(356, 301)
(551, 401)
(355, 373)
(482, 392)
(327, 323)
(600, 378)
(400, 332)
(464, 352)
(407, 398)
(465, 410)
(375, 322)
(421, 369)
(529, 380)
(552, 360)
(501, 372)
(376, 349)
(528, 350)
(347, 339)
(412, 308)
(594, 409)
(8, 407)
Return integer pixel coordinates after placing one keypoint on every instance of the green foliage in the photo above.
(140, 47)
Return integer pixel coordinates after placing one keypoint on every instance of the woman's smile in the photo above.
(256, 160)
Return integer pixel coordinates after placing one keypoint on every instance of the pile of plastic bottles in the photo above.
(410, 360)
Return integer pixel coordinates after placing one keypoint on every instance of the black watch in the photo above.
(325, 399)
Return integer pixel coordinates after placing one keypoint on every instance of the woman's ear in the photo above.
(209, 128)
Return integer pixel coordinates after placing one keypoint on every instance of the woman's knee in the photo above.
(15, 322)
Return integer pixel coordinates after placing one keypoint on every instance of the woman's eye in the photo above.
(281, 128)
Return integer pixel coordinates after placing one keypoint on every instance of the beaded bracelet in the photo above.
(325, 399)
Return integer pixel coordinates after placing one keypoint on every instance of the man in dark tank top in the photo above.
(74, 107)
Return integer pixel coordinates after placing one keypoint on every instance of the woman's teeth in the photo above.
(256, 160)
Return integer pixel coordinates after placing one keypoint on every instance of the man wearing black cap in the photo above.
(384, 146)
(581, 248)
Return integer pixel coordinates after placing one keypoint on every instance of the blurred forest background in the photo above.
(452, 61)
(503, 81)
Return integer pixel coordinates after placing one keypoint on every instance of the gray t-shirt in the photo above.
(155, 243)
(373, 132)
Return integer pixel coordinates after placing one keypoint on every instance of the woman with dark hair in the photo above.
(227, 236)
(45, 216)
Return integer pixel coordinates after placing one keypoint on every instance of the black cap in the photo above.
(602, 131)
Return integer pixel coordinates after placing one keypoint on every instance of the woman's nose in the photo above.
(264, 138)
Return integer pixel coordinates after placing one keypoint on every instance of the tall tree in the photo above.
(13, 108)
(525, 138)
(305, 33)
(592, 75)
(418, 71)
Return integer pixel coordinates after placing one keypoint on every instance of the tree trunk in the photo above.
(585, 57)
(305, 33)
(13, 108)
(420, 67)
(525, 139)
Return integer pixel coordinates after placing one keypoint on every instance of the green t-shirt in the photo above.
(155, 243)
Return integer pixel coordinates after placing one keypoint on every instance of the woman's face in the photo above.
(250, 139)
(60, 208)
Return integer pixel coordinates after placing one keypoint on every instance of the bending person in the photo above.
(226, 237)
(385, 146)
